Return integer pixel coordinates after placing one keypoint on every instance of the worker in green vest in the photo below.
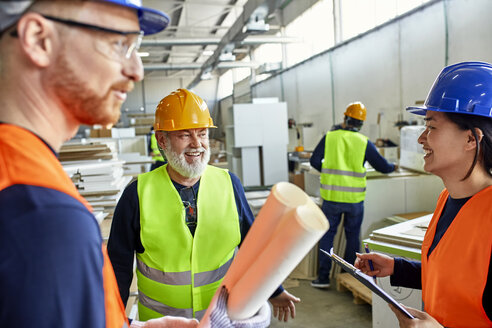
(184, 220)
(154, 151)
(340, 157)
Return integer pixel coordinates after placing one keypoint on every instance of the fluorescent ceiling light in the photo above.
(207, 53)
(143, 54)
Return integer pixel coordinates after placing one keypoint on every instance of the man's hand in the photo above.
(166, 322)
(422, 319)
(283, 304)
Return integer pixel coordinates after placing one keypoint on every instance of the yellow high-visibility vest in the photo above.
(178, 274)
(343, 176)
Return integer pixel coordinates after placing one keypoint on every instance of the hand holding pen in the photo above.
(383, 265)
(370, 262)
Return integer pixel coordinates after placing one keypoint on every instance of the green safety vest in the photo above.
(178, 274)
(155, 148)
(343, 176)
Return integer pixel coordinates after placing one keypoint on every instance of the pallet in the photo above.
(361, 293)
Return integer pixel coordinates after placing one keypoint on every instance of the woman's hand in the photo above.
(383, 265)
(422, 319)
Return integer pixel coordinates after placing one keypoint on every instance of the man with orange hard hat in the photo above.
(184, 220)
(340, 157)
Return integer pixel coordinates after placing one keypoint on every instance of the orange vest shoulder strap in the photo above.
(28, 160)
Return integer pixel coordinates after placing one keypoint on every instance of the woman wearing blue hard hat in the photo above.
(455, 273)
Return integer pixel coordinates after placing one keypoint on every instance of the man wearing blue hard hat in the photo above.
(62, 64)
(455, 273)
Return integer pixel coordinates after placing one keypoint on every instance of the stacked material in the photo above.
(86, 151)
(97, 174)
(409, 233)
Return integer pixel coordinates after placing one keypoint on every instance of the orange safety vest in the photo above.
(455, 274)
(18, 147)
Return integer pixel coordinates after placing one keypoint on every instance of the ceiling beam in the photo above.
(235, 34)
(250, 40)
(197, 66)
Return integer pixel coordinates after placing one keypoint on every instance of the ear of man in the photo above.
(37, 39)
(160, 136)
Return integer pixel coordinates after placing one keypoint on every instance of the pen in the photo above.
(370, 262)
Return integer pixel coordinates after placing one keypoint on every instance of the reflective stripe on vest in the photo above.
(455, 274)
(179, 273)
(184, 278)
(341, 172)
(23, 167)
(343, 176)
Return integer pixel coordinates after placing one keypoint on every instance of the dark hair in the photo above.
(484, 148)
(353, 122)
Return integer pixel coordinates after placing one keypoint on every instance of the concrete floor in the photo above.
(325, 308)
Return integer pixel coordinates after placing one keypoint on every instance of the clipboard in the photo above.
(367, 281)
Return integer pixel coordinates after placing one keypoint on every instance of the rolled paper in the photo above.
(299, 231)
(286, 228)
(283, 197)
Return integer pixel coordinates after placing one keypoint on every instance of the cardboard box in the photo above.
(297, 179)
(94, 133)
(105, 133)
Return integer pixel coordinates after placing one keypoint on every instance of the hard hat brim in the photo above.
(417, 110)
(151, 20)
(423, 110)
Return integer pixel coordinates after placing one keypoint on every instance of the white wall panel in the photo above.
(314, 99)
(270, 88)
(367, 70)
(422, 54)
(470, 29)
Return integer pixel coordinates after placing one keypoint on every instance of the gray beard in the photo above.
(180, 165)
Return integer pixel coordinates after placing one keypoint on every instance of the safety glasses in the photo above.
(119, 48)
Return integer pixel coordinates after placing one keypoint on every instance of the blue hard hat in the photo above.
(463, 88)
(151, 20)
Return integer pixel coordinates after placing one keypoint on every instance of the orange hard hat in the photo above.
(182, 110)
(356, 110)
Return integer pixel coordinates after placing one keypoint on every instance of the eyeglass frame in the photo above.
(134, 47)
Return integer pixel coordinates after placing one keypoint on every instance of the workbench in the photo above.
(403, 191)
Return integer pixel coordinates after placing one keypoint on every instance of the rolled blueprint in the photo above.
(283, 197)
(299, 231)
(286, 228)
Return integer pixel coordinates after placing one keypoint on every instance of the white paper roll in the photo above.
(298, 232)
(283, 197)
(286, 228)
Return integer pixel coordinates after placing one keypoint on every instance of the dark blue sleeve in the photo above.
(246, 217)
(407, 274)
(318, 155)
(51, 260)
(378, 162)
(124, 239)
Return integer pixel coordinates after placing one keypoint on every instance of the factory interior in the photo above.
(277, 76)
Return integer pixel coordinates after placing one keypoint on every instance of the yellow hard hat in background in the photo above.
(182, 110)
(356, 110)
